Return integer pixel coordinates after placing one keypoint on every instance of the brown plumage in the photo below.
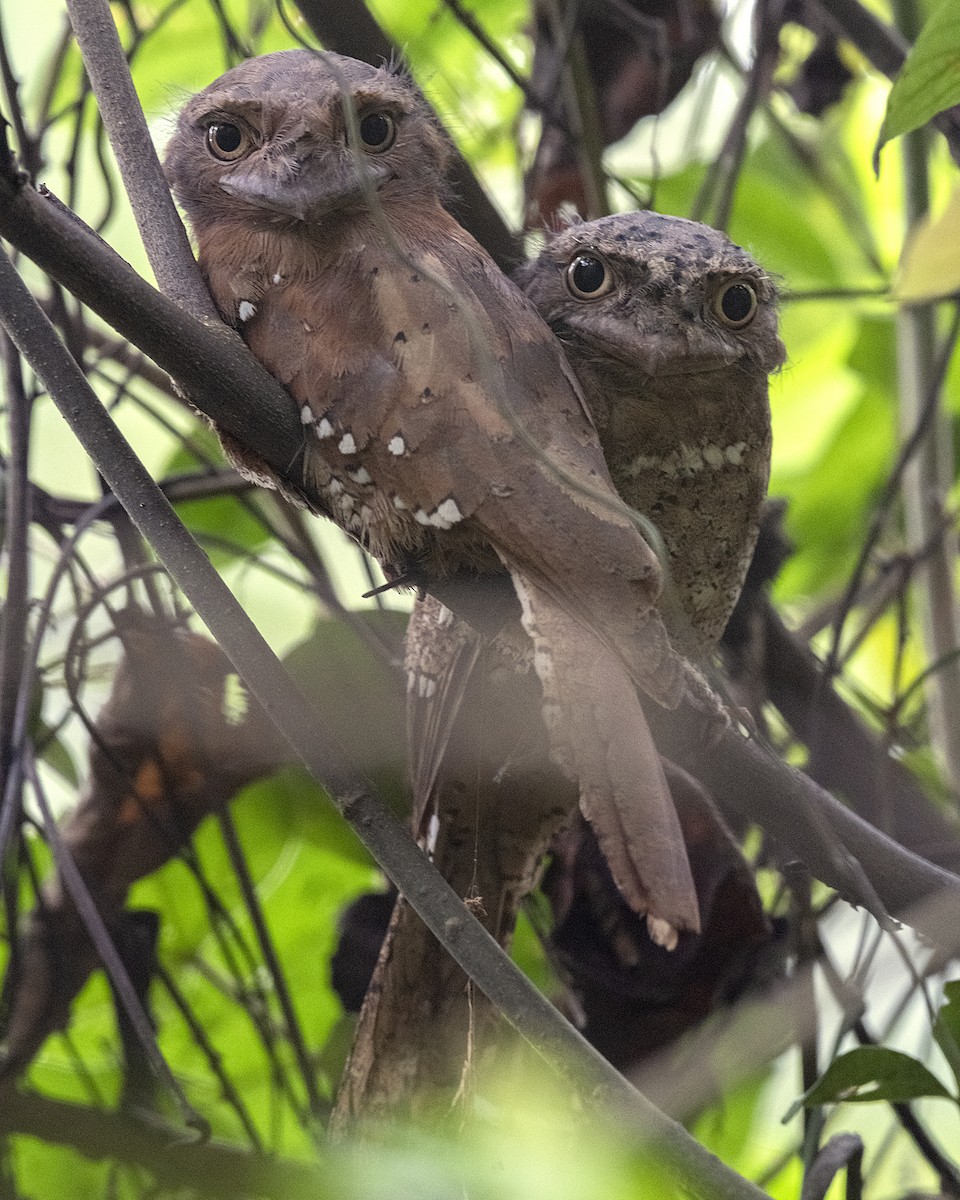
(678, 390)
(313, 184)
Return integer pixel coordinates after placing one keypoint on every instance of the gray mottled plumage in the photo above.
(678, 396)
(406, 349)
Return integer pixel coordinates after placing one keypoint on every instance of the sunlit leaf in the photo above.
(930, 79)
(930, 267)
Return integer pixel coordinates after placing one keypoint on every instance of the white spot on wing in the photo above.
(347, 444)
(713, 455)
(662, 932)
(335, 486)
(361, 475)
(447, 514)
(691, 460)
(735, 453)
(323, 428)
(399, 503)
(306, 414)
(278, 278)
(246, 310)
(396, 445)
(543, 665)
(421, 517)
(433, 830)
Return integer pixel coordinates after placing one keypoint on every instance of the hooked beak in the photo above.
(316, 187)
(654, 354)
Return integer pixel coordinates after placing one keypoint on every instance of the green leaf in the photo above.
(358, 695)
(874, 1073)
(930, 266)
(55, 754)
(929, 81)
(946, 1028)
(226, 528)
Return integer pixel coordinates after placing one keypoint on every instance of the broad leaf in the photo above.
(930, 79)
(875, 1073)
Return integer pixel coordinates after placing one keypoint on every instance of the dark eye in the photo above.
(377, 131)
(226, 141)
(589, 277)
(735, 305)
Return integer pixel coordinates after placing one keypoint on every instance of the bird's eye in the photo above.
(226, 141)
(377, 132)
(735, 305)
(588, 277)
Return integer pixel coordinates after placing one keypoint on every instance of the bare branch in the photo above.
(161, 229)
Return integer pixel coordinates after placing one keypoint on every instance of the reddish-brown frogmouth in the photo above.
(443, 427)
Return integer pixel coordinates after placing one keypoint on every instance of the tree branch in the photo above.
(208, 360)
(161, 229)
(213, 1168)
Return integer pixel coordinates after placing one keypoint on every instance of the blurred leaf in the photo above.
(929, 81)
(946, 1028)
(359, 695)
(223, 524)
(930, 267)
(874, 1073)
(55, 754)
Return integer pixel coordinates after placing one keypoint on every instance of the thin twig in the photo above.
(161, 229)
(16, 520)
(293, 1028)
(103, 943)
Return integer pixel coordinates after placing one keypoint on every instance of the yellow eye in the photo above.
(589, 277)
(377, 132)
(227, 142)
(735, 305)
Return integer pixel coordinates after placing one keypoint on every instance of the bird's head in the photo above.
(294, 138)
(659, 295)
